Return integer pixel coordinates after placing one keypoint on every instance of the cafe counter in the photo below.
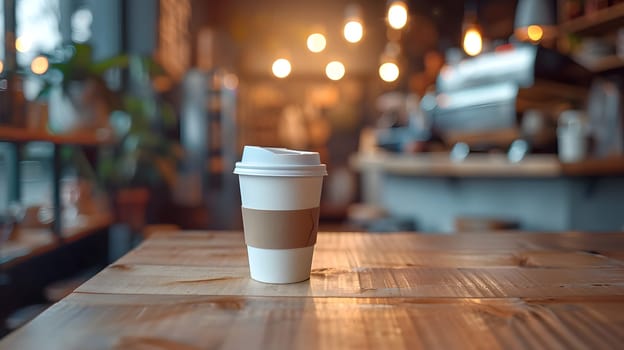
(537, 193)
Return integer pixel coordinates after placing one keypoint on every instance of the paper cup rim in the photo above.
(280, 170)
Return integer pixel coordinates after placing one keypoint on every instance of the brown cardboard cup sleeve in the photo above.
(280, 229)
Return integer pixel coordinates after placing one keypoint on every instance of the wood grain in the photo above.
(399, 291)
(104, 321)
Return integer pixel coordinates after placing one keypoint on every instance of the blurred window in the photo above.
(37, 27)
(2, 30)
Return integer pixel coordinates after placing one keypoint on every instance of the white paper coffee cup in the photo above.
(280, 195)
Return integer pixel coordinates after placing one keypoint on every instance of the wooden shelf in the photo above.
(485, 165)
(34, 242)
(594, 167)
(476, 165)
(597, 22)
(91, 138)
(606, 63)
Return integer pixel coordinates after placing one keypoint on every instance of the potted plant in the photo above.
(145, 158)
(78, 97)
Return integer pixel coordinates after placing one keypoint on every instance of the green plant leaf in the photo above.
(101, 67)
(82, 57)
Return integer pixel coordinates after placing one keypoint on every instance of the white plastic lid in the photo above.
(268, 161)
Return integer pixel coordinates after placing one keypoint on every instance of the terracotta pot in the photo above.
(131, 207)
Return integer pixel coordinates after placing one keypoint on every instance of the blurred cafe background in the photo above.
(121, 118)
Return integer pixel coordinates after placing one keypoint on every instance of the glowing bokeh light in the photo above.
(353, 31)
(389, 72)
(230, 81)
(335, 70)
(535, 32)
(473, 44)
(281, 68)
(397, 15)
(23, 44)
(316, 42)
(39, 65)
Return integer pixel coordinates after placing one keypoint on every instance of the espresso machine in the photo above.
(483, 101)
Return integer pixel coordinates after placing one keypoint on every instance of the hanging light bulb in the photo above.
(281, 68)
(535, 20)
(472, 40)
(389, 72)
(316, 42)
(473, 43)
(535, 33)
(397, 14)
(353, 29)
(335, 70)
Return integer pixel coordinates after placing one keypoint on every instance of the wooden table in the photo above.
(398, 291)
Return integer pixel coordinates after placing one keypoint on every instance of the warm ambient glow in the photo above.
(397, 15)
(535, 32)
(335, 70)
(1, 66)
(281, 68)
(473, 43)
(23, 44)
(39, 65)
(353, 31)
(316, 42)
(389, 72)
(230, 81)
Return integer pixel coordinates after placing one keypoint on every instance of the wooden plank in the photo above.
(100, 321)
(344, 250)
(365, 265)
(386, 242)
(85, 138)
(33, 242)
(475, 165)
(611, 166)
(485, 165)
(26, 244)
(362, 281)
(237, 257)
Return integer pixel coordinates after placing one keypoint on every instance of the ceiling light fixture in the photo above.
(535, 19)
(316, 42)
(397, 14)
(389, 72)
(353, 29)
(335, 70)
(281, 68)
(473, 42)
